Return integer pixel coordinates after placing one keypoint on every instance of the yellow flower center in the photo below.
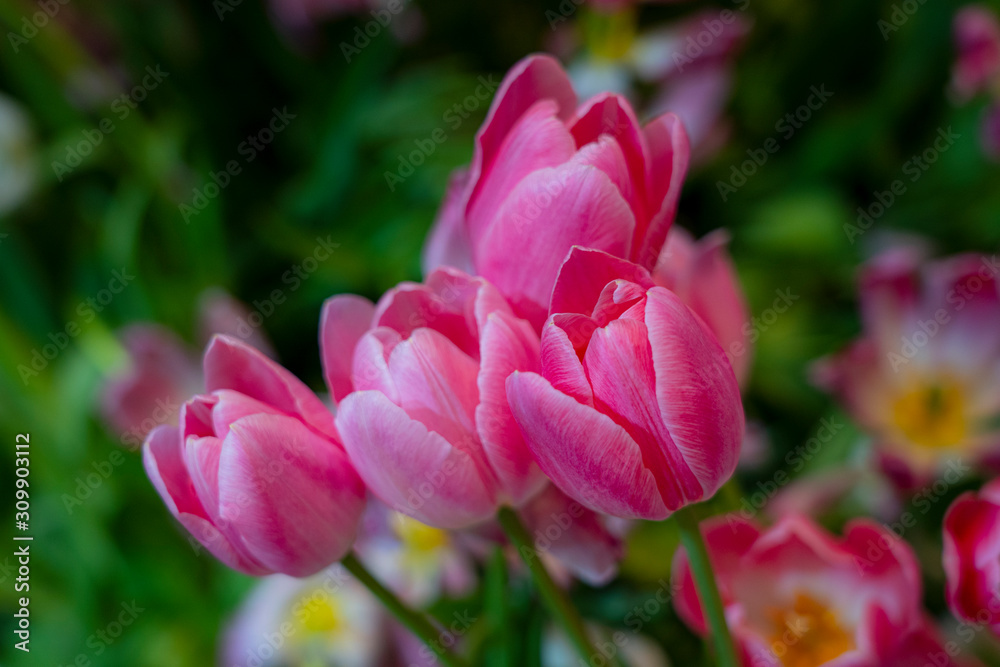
(932, 415)
(418, 537)
(609, 34)
(808, 634)
(320, 613)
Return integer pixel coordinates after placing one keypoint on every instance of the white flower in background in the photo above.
(18, 157)
(328, 620)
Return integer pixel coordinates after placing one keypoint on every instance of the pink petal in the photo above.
(696, 389)
(343, 322)
(448, 241)
(413, 470)
(508, 344)
(562, 336)
(584, 275)
(669, 157)
(436, 384)
(619, 364)
(291, 495)
(538, 140)
(231, 406)
(610, 115)
(534, 78)
(162, 457)
(586, 454)
(231, 364)
(371, 362)
(590, 211)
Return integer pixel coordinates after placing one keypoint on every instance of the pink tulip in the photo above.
(977, 42)
(702, 275)
(795, 595)
(427, 424)
(256, 471)
(636, 412)
(972, 556)
(924, 377)
(547, 175)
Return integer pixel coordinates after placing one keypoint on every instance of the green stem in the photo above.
(708, 590)
(553, 596)
(417, 622)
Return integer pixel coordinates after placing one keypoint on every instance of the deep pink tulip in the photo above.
(795, 595)
(427, 423)
(972, 556)
(636, 412)
(546, 175)
(256, 471)
(702, 275)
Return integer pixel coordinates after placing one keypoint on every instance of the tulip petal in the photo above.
(292, 496)
(344, 320)
(583, 276)
(619, 364)
(534, 78)
(586, 454)
(448, 241)
(697, 392)
(413, 470)
(669, 157)
(232, 364)
(564, 340)
(508, 345)
(538, 140)
(590, 211)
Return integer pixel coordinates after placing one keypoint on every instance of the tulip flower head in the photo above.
(539, 158)
(636, 412)
(423, 410)
(924, 378)
(795, 596)
(255, 470)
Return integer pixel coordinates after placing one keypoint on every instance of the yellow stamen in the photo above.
(808, 634)
(932, 415)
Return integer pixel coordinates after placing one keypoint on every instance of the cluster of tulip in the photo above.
(569, 354)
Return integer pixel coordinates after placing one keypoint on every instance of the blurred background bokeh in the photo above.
(150, 151)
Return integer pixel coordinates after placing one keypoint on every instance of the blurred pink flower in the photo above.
(924, 377)
(162, 371)
(256, 471)
(972, 556)
(539, 157)
(427, 424)
(977, 43)
(795, 595)
(636, 412)
(702, 275)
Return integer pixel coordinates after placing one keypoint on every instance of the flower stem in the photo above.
(708, 590)
(553, 596)
(417, 622)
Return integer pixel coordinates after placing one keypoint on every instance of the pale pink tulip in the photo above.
(425, 418)
(977, 42)
(546, 175)
(256, 471)
(636, 412)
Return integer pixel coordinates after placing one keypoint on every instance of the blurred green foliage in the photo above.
(325, 177)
